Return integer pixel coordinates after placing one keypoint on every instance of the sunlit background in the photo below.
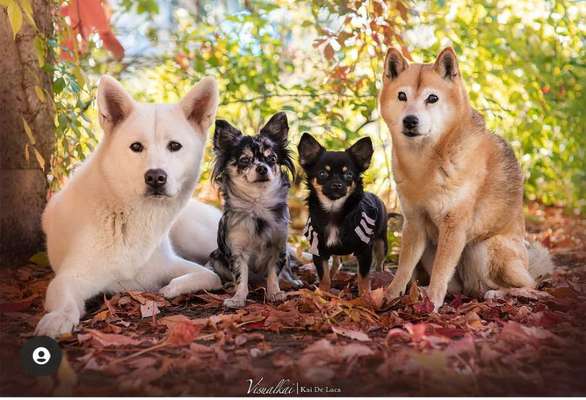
(523, 63)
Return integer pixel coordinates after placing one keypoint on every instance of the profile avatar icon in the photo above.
(41, 355)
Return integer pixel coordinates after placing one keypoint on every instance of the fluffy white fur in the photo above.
(104, 233)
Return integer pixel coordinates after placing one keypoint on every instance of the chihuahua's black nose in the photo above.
(410, 122)
(261, 170)
(155, 178)
(336, 186)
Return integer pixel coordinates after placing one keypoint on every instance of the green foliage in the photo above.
(523, 62)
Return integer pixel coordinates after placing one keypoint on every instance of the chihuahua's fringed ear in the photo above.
(395, 63)
(309, 150)
(225, 136)
(277, 129)
(446, 64)
(361, 153)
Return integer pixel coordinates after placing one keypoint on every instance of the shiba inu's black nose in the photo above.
(261, 170)
(410, 122)
(155, 178)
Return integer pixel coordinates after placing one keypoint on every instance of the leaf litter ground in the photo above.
(136, 343)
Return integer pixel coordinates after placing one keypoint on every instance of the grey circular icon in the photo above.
(40, 356)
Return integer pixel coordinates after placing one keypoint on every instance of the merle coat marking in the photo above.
(252, 234)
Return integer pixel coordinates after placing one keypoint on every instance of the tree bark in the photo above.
(23, 183)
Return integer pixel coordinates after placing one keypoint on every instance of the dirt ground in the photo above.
(316, 343)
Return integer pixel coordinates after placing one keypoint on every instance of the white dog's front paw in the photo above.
(173, 289)
(276, 296)
(55, 324)
(235, 302)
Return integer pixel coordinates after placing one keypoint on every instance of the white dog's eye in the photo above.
(432, 98)
(174, 146)
(137, 147)
(402, 96)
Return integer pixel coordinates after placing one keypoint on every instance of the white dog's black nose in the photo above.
(261, 170)
(155, 178)
(410, 122)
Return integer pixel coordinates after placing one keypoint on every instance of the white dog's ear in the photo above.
(201, 103)
(446, 64)
(114, 103)
(395, 63)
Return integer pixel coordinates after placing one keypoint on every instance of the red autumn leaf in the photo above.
(352, 334)
(181, 330)
(88, 16)
(101, 339)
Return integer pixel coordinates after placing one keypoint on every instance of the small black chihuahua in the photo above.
(343, 219)
(252, 234)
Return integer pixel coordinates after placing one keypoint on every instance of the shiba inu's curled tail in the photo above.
(540, 263)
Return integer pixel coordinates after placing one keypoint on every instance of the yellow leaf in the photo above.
(28, 11)
(39, 158)
(29, 132)
(40, 93)
(26, 153)
(15, 17)
(39, 49)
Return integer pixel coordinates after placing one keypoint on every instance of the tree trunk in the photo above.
(23, 184)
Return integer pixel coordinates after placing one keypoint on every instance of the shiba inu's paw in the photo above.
(325, 286)
(235, 302)
(276, 296)
(527, 293)
(55, 324)
(436, 297)
(392, 292)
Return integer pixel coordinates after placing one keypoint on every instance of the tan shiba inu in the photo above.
(460, 187)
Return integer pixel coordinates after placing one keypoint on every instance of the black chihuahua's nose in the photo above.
(336, 186)
(155, 178)
(410, 122)
(261, 170)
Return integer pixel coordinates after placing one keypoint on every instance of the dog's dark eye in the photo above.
(271, 159)
(244, 161)
(137, 147)
(432, 98)
(323, 174)
(349, 176)
(402, 96)
(174, 146)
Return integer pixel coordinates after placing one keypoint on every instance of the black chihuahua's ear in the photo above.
(225, 136)
(309, 150)
(395, 63)
(277, 129)
(361, 153)
(446, 64)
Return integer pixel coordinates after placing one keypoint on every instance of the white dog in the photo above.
(108, 229)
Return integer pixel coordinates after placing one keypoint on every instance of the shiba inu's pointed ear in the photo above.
(361, 153)
(309, 150)
(201, 103)
(225, 136)
(277, 129)
(446, 64)
(395, 63)
(114, 103)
